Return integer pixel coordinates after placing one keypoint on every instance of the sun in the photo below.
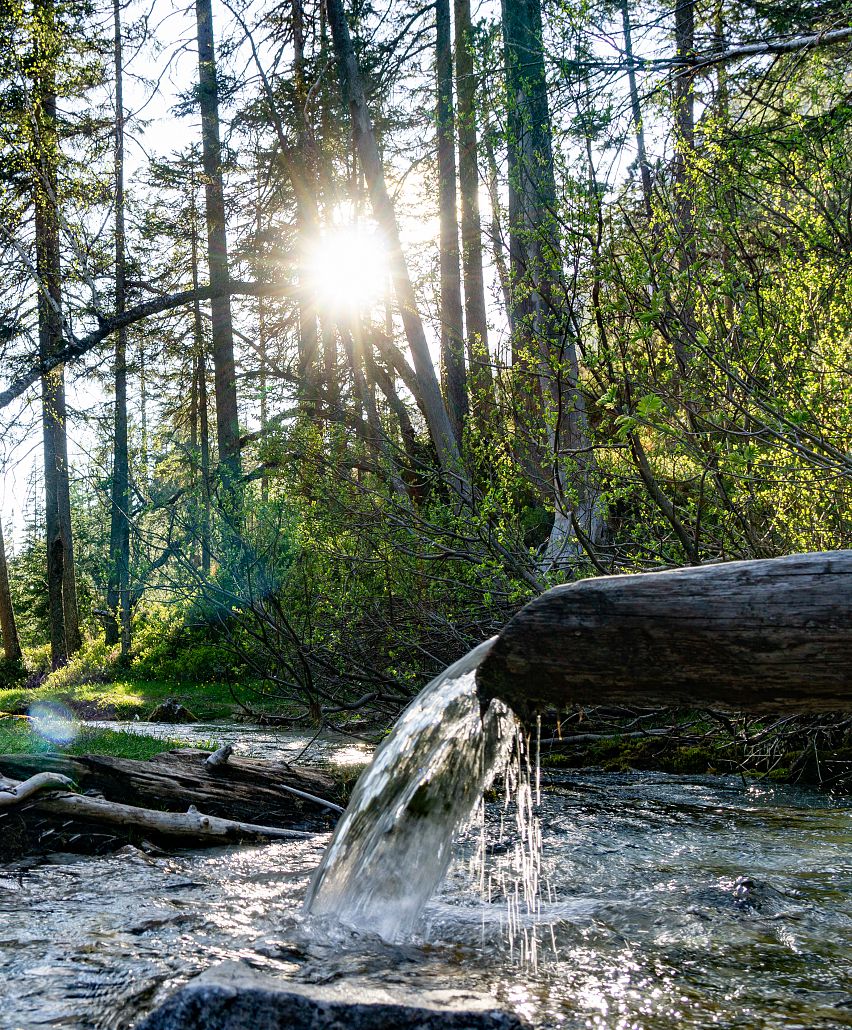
(346, 269)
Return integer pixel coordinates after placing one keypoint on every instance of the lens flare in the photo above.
(346, 269)
(53, 722)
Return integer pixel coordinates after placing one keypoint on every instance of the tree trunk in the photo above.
(756, 636)
(200, 375)
(62, 589)
(452, 329)
(227, 412)
(8, 628)
(542, 329)
(685, 143)
(352, 89)
(118, 589)
(476, 318)
(307, 221)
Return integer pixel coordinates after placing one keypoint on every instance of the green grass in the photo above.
(123, 699)
(17, 737)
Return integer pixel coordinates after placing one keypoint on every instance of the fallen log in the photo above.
(771, 635)
(193, 824)
(243, 798)
(242, 789)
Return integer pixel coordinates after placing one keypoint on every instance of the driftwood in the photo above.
(773, 635)
(14, 793)
(219, 757)
(192, 823)
(242, 798)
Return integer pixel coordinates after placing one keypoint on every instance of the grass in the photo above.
(18, 737)
(123, 699)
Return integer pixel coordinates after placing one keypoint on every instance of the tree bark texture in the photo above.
(544, 348)
(771, 635)
(62, 587)
(452, 327)
(118, 588)
(8, 627)
(227, 413)
(242, 790)
(476, 317)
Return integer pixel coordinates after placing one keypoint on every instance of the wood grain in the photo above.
(768, 635)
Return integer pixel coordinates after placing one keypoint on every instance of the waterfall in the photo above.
(393, 844)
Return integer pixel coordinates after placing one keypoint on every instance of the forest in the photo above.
(332, 333)
(425, 514)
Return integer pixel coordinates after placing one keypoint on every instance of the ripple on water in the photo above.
(638, 925)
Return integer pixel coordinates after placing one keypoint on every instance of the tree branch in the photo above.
(78, 346)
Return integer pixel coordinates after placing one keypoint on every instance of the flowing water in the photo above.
(582, 901)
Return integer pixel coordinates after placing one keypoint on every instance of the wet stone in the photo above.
(233, 996)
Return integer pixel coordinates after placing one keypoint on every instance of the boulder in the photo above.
(234, 996)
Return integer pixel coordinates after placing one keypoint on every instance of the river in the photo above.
(641, 923)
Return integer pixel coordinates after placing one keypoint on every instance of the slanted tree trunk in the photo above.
(222, 333)
(770, 635)
(352, 88)
(542, 327)
(452, 329)
(8, 627)
(118, 589)
(476, 317)
(62, 588)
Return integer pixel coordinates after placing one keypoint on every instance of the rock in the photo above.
(171, 710)
(233, 996)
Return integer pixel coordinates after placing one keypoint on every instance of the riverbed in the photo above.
(665, 902)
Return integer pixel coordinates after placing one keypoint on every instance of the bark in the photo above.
(725, 55)
(476, 318)
(304, 175)
(191, 825)
(118, 589)
(8, 627)
(62, 590)
(684, 111)
(755, 636)
(241, 790)
(542, 330)
(222, 342)
(452, 328)
(352, 89)
(200, 377)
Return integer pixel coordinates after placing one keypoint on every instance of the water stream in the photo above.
(653, 902)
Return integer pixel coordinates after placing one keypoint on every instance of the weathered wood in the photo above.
(193, 824)
(244, 789)
(756, 636)
(219, 757)
(13, 792)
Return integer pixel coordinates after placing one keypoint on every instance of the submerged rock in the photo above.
(233, 996)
